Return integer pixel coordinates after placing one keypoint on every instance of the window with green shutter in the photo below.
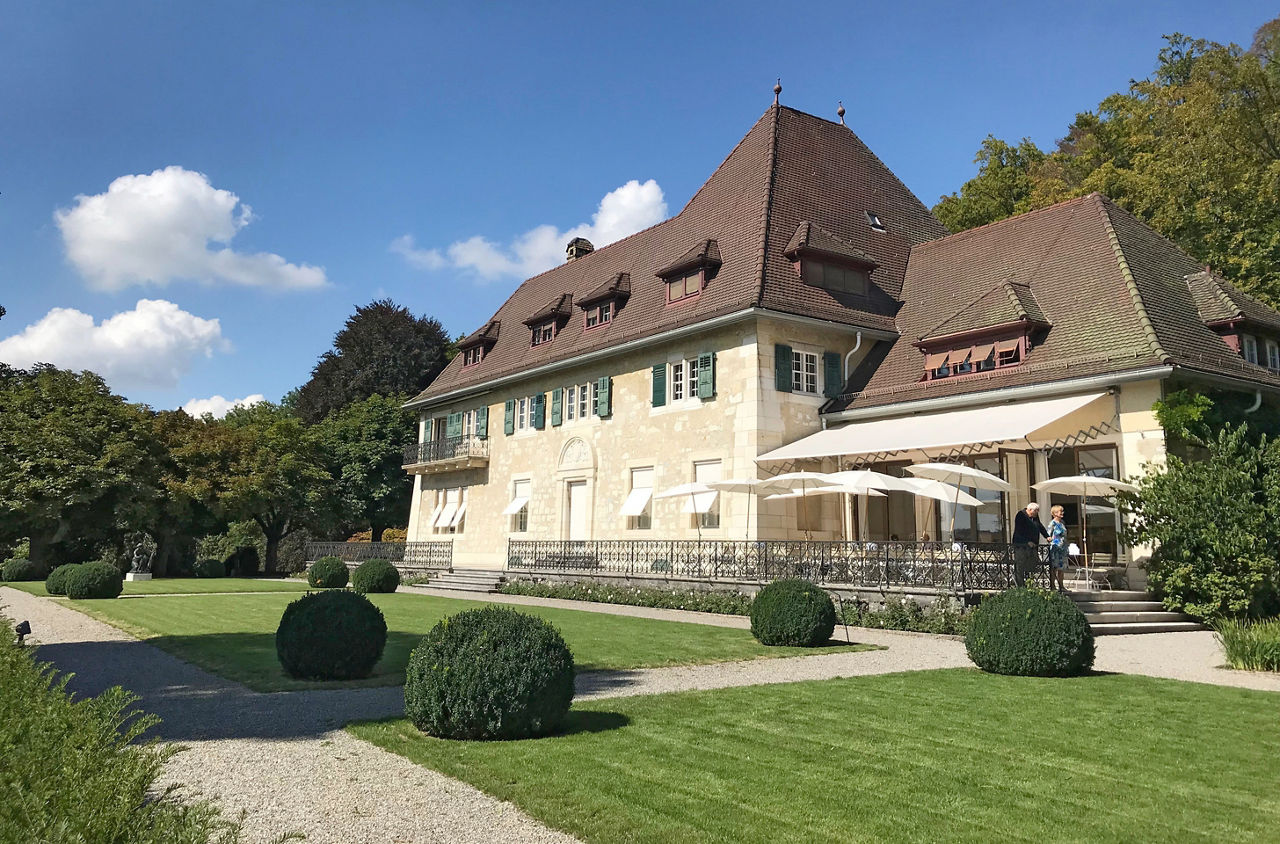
(707, 376)
(603, 405)
(557, 406)
(659, 385)
(539, 411)
(482, 422)
(782, 367)
(832, 382)
(453, 425)
(509, 424)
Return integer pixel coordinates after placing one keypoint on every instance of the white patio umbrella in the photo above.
(939, 491)
(694, 492)
(869, 483)
(798, 482)
(1085, 486)
(751, 486)
(959, 475)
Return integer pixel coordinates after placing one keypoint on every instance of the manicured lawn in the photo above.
(925, 756)
(234, 635)
(179, 585)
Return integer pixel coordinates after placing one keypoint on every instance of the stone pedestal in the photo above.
(137, 575)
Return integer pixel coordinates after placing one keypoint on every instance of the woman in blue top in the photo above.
(1057, 548)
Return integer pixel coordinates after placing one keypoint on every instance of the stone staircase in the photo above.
(1113, 612)
(483, 581)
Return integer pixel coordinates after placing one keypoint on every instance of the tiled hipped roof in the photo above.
(1220, 302)
(1115, 293)
(790, 167)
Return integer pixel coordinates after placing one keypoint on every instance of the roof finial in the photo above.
(777, 89)
(840, 111)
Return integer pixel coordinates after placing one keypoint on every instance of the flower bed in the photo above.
(724, 603)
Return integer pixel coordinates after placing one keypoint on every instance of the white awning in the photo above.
(517, 504)
(435, 514)
(991, 424)
(458, 514)
(637, 500)
(700, 502)
(445, 515)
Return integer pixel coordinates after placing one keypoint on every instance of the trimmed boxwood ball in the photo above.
(328, 573)
(337, 635)
(94, 580)
(21, 569)
(793, 613)
(1031, 633)
(489, 673)
(375, 576)
(56, 582)
(209, 568)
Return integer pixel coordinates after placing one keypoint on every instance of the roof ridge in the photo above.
(1148, 328)
(766, 208)
(1024, 215)
(966, 306)
(1223, 296)
(1014, 299)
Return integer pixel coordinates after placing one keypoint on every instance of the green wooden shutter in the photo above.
(539, 411)
(833, 384)
(453, 425)
(557, 405)
(509, 424)
(603, 405)
(482, 422)
(659, 385)
(782, 367)
(707, 376)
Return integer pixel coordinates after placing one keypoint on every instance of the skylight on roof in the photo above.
(874, 220)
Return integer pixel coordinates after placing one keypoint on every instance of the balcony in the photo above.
(450, 454)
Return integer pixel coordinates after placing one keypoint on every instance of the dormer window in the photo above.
(472, 356)
(544, 333)
(685, 286)
(873, 220)
(1249, 347)
(1273, 355)
(968, 360)
(599, 314)
(835, 277)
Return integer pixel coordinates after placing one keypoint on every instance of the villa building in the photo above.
(806, 311)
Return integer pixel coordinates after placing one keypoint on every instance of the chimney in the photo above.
(578, 247)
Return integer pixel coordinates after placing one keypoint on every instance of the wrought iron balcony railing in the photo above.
(448, 448)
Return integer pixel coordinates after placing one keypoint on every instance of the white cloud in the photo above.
(219, 406)
(621, 212)
(152, 345)
(166, 226)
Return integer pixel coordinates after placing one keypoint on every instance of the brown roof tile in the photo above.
(618, 286)
(1220, 301)
(812, 237)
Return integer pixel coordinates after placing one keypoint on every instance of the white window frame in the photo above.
(524, 413)
(1273, 355)
(706, 515)
(643, 521)
(800, 372)
(1249, 347)
(519, 520)
(682, 380)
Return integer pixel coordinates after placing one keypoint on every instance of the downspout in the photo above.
(1257, 402)
(857, 345)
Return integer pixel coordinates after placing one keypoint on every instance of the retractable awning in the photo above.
(637, 500)
(1032, 420)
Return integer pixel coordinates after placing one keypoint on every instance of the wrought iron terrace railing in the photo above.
(406, 556)
(448, 448)
(955, 567)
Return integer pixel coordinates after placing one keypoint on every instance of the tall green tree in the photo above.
(1194, 150)
(277, 475)
(382, 350)
(365, 444)
(76, 467)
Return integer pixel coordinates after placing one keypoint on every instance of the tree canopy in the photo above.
(1194, 151)
(382, 350)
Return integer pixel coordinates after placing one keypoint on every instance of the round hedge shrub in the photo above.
(328, 573)
(792, 612)
(209, 567)
(21, 569)
(94, 580)
(56, 582)
(336, 635)
(375, 576)
(489, 673)
(1031, 633)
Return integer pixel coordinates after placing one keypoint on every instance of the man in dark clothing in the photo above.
(1027, 531)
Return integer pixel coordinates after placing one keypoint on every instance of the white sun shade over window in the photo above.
(445, 515)
(700, 502)
(636, 501)
(458, 514)
(704, 472)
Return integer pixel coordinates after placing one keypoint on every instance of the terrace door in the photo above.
(576, 510)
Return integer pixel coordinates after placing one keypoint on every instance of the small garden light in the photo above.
(23, 629)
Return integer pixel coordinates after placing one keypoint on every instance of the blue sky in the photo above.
(396, 149)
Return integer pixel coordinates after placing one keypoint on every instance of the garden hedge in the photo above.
(375, 576)
(794, 613)
(328, 573)
(489, 673)
(95, 580)
(334, 635)
(56, 582)
(209, 567)
(1031, 633)
(20, 569)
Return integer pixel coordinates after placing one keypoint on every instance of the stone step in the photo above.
(1145, 627)
(479, 581)
(1104, 605)
(1133, 617)
(1109, 595)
